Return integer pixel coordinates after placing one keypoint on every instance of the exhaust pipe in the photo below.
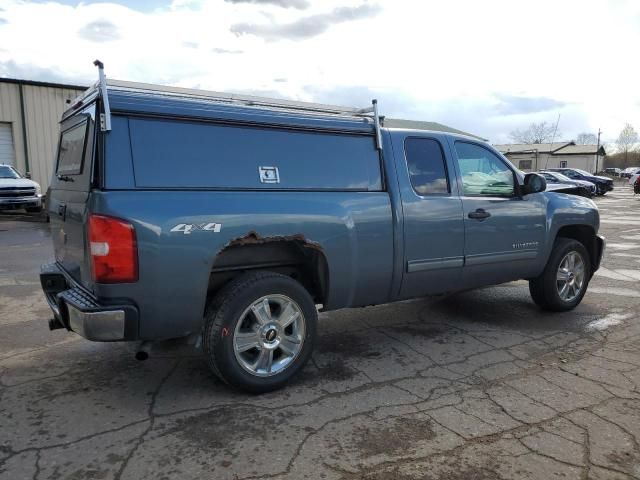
(143, 351)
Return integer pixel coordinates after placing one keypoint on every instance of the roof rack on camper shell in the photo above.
(103, 85)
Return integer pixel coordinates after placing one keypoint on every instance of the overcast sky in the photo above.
(487, 67)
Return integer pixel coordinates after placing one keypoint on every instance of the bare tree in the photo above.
(586, 139)
(627, 141)
(536, 133)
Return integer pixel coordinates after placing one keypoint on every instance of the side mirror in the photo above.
(534, 183)
(27, 175)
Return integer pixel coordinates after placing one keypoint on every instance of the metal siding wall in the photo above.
(44, 107)
(10, 112)
(578, 161)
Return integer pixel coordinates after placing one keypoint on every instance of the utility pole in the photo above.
(598, 151)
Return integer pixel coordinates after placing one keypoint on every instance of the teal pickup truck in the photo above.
(234, 219)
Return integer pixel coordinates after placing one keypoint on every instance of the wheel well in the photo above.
(584, 234)
(298, 258)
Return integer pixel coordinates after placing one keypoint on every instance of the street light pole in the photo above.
(598, 151)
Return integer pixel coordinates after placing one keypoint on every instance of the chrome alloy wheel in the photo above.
(269, 335)
(570, 276)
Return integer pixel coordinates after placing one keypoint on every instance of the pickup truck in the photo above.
(17, 191)
(235, 219)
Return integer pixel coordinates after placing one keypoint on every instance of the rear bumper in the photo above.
(79, 311)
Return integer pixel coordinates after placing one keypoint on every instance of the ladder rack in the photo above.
(105, 84)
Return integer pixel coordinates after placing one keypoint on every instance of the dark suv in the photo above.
(603, 184)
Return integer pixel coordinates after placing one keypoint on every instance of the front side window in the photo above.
(71, 152)
(483, 172)
(426, 164)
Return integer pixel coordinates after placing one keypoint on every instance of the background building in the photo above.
(29, 124)
(538, 156)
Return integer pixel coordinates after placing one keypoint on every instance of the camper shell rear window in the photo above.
(73, 142)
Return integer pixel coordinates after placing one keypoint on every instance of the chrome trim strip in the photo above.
(496, 257)
(434, 264)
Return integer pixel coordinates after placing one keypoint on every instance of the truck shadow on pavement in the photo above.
(21, 216)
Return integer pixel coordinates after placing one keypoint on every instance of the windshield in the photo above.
(581, 172)
(8, 172)
(560, 176)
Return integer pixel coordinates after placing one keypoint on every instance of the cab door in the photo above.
(504, 231)
(433, 224)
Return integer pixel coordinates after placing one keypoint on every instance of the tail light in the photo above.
(113, 248)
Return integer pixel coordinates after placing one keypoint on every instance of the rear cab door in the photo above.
(433, 231)
(504, 231)
(68, 196)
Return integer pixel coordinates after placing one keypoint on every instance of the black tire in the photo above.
(225, 311)
(544, 289)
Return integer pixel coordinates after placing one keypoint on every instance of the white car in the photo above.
(634, 176)
(18, 192)
(628, 172)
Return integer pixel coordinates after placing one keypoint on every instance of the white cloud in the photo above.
(486, 67)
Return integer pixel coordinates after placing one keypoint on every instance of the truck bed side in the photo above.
(185, 216)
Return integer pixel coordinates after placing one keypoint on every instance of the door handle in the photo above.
(62, 209)
(479, 214)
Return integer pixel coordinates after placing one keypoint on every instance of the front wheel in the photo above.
(564, 281)
(259, 331)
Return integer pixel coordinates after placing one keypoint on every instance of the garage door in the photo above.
(7, 152)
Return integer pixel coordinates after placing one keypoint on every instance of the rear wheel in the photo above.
(564, 281)
(259, 331)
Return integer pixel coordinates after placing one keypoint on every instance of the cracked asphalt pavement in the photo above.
(476, 385)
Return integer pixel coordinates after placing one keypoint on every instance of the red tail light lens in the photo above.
(113, 248)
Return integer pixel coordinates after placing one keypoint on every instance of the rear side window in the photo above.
(72, 143)
(426, 164)
(168, 153)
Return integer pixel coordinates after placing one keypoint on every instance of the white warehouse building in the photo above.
(539, 156)
(30, 113)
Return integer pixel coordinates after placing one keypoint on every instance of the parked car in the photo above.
(636, 186)
(634, 176)
(584, 188)
(628, 172)
(243, 218)
(568, 189)
(613, 171)
(17, 191)
(603, 184)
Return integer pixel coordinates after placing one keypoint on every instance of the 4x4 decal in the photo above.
(188, 228)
